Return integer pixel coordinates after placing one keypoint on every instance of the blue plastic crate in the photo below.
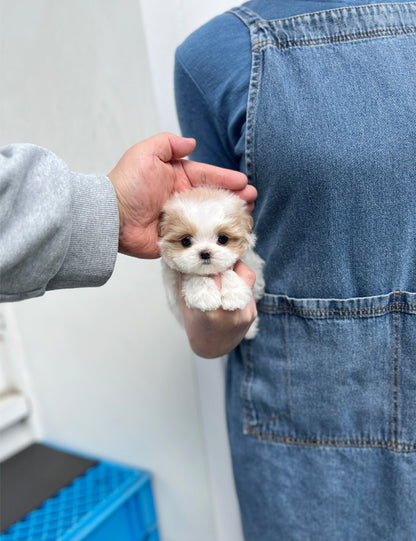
(107, 503)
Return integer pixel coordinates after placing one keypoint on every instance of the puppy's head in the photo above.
(204, 231)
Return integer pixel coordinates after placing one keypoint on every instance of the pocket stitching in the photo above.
(396, 307)
(245, 391)
(395, 384)
(316, 442)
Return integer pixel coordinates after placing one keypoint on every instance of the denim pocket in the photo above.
(333, 372)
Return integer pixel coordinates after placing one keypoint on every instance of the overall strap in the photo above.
(246, 15)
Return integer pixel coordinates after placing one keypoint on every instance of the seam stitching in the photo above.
(393, 377)
(399, 307)
(393, 443)
(396, 446)
(341, 38)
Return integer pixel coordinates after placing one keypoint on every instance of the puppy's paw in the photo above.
(235, 293)
(201, 292)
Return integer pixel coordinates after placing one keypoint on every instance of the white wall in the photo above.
(167, 24)
(111, 370)
(172, 21)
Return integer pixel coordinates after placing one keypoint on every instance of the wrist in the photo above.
(115, 180)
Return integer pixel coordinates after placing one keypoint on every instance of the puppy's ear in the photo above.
(248, 222)
(161, 228)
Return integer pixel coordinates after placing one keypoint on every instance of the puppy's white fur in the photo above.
(204, 232)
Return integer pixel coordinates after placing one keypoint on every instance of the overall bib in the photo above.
(321, 405)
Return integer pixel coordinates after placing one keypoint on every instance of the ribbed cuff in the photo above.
(92, 251)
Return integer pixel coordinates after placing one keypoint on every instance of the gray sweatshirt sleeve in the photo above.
(58, 229)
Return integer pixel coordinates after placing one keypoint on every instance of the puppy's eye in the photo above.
(186, 241)
(222, 239)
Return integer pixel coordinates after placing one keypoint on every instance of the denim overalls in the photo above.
(322, 404)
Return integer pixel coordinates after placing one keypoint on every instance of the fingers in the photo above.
(200, 174)
(249, 195)
(168, 147)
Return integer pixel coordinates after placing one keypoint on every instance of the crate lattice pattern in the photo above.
(57, 515)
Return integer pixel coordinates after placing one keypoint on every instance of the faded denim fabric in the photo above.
(321, 404)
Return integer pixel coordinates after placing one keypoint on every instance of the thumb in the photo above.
(244, 272)
(172, 147)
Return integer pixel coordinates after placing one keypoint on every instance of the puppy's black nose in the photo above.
(205, 255)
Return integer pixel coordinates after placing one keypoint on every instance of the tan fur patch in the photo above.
(173, 226)
(238, 229)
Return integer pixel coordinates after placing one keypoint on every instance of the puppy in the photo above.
(204, 232)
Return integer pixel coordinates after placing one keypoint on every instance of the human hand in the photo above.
(215, 333)
(148, 174)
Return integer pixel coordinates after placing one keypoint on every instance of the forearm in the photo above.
(58, 229)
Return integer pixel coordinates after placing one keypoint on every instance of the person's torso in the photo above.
(331, 148)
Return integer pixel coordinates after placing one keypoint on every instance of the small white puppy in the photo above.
(204, 232)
